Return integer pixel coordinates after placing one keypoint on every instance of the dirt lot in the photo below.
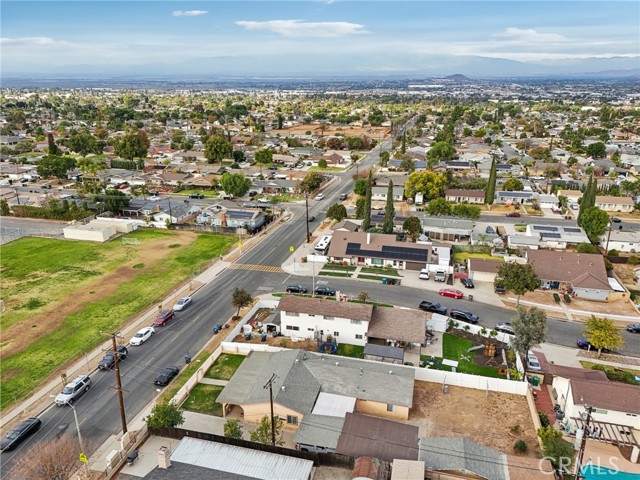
(17, 337)
(626, 274)
(486, 419)
(348, 131)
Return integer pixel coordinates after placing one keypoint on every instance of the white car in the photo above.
(182, 303)
(320, 196)
(264, 200)
(142, 336)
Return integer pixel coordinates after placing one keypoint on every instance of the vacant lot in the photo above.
(59, 294)
(486, 418)
(348, 131)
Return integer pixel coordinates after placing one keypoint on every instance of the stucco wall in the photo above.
(255, 412)
(380, 410)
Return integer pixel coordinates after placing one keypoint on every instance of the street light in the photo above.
(82, 451)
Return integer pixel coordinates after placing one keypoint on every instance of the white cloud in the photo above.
(520, 35)
(299, 28)
(38, 41)
(189, 13)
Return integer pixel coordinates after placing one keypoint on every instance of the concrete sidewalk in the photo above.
(569, 312)
(571, 357)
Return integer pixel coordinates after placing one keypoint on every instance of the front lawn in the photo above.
(206, 193)
(336, 266)
(380, 271)
(461, 257)
(329, 273)
(456, 348)
(353, 351)
(225, 366)
(202, 399)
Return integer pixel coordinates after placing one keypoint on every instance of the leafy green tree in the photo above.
(389, 211)
(439, 206)
(235, 184)
(413, 226)
(360, 205)
(51, 166)
(518, 278)
(322, 163)
(513, 185)
(597, 150)
(217, 148)
(240, 298)
(133, 144)
(337, 212)
(407, 165)
(238, 156)
(490, 192)
(602, 333)
(165, 415)
(594, 221)
(441, 152)
(587, 248)
(53, 148)
(360, 187)
(262, 434)
(264, 156)
(91, 167)
(312, 181)
(430, 184)
(584, 201)
(403, 146)
(84, 144)
(366, 221)
(5, 211)
(530, 327)
(114, 200)
(560, 453)
(233, 429)
(465, 210)
(384, 159)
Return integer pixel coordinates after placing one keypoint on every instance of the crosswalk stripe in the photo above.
(258, 268)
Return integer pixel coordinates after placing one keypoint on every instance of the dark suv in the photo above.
(325, 291)
(296, 289)
(108, 362)
(433, 307)
(464, 315)
(197, 195)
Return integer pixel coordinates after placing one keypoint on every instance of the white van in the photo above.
(323, 243)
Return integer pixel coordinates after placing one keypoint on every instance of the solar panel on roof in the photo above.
(400, 253)
(239, 214)
(545, 228)
(572, 230)
(551, 235)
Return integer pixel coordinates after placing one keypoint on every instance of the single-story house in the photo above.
(460, 166)
(508, 169)
(446, 228)
(557, 237)
(380, 193)
(572, 195)
(465, 196)
(584, 274)
(346, 226)
(377, 250)
(516, 197)
(622, 241)
(548, 201)
(232, 218)
(483, 269)
(615, 204)
(523, 241)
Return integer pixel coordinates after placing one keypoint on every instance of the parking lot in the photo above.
(15, 228)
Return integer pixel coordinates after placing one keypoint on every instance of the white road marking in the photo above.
(285, 280)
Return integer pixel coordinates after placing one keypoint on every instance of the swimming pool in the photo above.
(593, 472)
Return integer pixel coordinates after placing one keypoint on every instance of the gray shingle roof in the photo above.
(461, 454)
(319, 430)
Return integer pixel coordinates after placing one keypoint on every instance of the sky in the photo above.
(330, 36)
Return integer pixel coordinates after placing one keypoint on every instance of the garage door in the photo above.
(415, 266)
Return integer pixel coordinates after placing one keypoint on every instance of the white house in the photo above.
(615, 204)
(622, 241)
(380, 193)
(317, 318)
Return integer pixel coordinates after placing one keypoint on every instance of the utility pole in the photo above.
(269, 385)
(116, 368)
(583, 443)
(306, 203)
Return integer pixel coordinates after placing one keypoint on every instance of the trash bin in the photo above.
(535, 381)
(384, 281)
(470, 298)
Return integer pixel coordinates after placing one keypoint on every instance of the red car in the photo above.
(451, 292)
(513, 214)
(163, 317)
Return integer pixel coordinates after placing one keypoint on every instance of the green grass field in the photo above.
(353, 351)
(225, 366)
(332, 273)
(380, 271)
(206, 193)
(202, 399)
(454, 348)
(461, 257)
(51, 270)
(335, 266)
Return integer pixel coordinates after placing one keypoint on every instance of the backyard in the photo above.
(461, 257)
(225, 366)
(52, 288)
(202, 399)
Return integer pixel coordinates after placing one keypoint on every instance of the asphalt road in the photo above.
(98, 409)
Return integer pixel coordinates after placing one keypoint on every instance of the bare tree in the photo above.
(56, 459)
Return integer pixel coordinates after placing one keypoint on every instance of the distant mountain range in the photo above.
(458, 68)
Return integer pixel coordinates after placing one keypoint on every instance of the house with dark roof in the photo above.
(464, 196)
(483, 269)
(313, 385)
(583, 274)
(377, 250)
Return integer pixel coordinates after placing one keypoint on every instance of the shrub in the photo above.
(556, 298)
(483, 332)
(520, 446)
(544, 419)
(567, 298)
(516, 428)
(613, 253)
(616, 374)
(634, 260)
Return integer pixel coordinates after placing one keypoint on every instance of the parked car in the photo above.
(633, 328)
(326, 291)
(440, 276)
(432, 307)
(616, 220)
(505, 328)
(166, 375)
(196, 195)
(490, 230)
(343, 196)
(74, 390)
(109, 359)
(500, 290)
(320, 196)
(142, 336)
(584, 344)
(451, 292)
(513, 214)
(467, 282)
(296, 289)
(19, 433)
(424, 274)
(533, 364)
(253, 193)
(182, 303)
(163, 317)
(464, 315)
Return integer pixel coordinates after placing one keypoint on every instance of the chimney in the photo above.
(163, 458)
(157, 208)
(368, 238)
